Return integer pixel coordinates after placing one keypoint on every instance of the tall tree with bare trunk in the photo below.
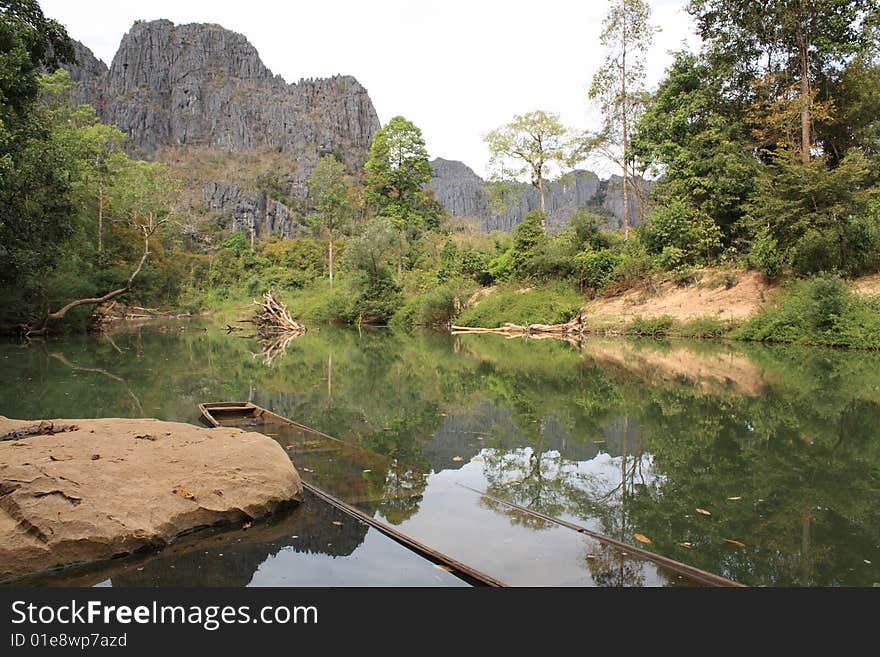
(618, 85)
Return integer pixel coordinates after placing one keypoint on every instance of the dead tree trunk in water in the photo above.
(274, 317)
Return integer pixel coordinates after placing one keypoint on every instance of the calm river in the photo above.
(778, 449)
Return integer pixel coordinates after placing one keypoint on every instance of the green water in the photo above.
(780, 445)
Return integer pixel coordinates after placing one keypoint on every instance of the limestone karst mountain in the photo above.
(464, 194)
(185, 93)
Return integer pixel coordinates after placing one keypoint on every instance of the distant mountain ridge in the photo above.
(464, 194)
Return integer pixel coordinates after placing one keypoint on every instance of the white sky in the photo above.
(455, 68)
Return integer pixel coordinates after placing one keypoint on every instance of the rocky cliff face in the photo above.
(90, 75)
(251, 211)
(204, 86)
(464, 194)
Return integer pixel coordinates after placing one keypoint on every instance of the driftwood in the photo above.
(274, 317)
(275, 326)
(573, 328)
(44, 428)
(148, 231)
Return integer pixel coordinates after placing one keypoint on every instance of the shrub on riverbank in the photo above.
(820, 311)
(540, 305)
(655, 327)
(436, 307)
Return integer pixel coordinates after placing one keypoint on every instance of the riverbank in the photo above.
(696, 304)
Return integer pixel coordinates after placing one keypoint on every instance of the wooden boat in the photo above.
(219, 413)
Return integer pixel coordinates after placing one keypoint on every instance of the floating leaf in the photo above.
(734, 542)
(704, 512)
(689, 546)
(477, 458)
(184, 492)
(641, 538)
(456, 458)
(734, 499)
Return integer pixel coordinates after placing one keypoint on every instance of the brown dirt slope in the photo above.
(724, 295)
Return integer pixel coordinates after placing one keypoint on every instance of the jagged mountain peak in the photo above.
(200, 84)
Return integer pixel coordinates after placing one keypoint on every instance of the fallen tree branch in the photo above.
(148, 229)
(573, 327)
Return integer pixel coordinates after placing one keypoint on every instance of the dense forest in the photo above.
(765, 147)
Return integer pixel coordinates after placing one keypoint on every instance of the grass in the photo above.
(540, 305)
(655, 327)
(703, 328)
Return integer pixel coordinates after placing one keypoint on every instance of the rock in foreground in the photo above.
(115, 486)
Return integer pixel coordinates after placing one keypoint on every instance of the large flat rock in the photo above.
(115, 486)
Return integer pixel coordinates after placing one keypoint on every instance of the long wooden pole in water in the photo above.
(676, 566)
(457, 568)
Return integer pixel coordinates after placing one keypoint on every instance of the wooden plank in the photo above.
(676, 566)
(462, 570)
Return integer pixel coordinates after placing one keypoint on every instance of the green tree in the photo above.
(817, 214)
(618, 85)
(792, 45)
(94, 149)
(370, 252)
(397, 170)
(34, 200)
(328, 189)
(535, 144)
(699, 140)
(371, 249)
